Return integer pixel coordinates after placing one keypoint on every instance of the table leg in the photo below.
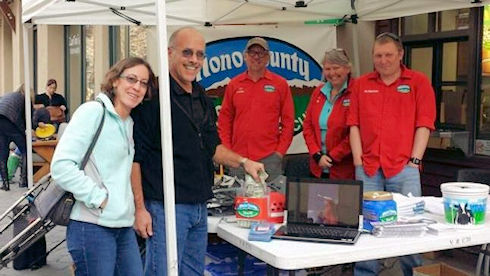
(241, 262)
(272, 271)
(41, 172)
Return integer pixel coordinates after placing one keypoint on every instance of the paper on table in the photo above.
(434, 205)
(437, 228)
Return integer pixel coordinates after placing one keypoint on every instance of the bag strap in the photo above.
(94, 140)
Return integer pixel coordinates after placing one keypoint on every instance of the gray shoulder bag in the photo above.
(54, 203)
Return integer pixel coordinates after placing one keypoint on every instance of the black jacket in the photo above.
(12, 107)
(194, 146)
(55, 100)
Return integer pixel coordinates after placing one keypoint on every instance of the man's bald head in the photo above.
(184, 31)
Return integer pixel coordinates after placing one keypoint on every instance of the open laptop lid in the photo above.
(324, 202)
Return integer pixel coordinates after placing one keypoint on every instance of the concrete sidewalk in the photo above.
(58, 261)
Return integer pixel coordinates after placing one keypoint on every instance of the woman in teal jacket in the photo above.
(100, 237)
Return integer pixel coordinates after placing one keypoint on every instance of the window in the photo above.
(454, 20)
(482, 144)
(73, 65)
(445, 63)
(79, 66)
(416, 24)
(118, 43)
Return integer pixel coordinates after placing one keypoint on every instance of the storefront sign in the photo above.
(482, 147)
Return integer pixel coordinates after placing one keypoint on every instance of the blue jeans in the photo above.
(192, 239)
(98, 250)
(406, 181)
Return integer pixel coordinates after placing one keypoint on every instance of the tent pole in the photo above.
(355, 50)
(27, 90)
(166, 136)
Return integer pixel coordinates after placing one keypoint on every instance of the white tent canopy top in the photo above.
(200, 12)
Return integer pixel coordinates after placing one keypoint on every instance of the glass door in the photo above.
(445, 63)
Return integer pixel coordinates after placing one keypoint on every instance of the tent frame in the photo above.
(161, 22)
(165, 124)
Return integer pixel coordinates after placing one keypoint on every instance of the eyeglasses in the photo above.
(393, 36)
(134, 80)
(259, 54)
(188, 53)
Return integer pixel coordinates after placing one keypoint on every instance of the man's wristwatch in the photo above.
(317, 156)
(415, 161)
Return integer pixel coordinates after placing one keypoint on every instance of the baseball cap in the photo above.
(259, 41)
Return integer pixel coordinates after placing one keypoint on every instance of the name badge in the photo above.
(403, 88)
(269, 88)
(346, 102)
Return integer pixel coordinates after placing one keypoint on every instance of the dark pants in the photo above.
(11, 133)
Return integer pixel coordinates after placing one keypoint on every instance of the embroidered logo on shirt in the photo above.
(346, 102)
(240, 90)
(269, 88)
(403, 88)
(371, 91)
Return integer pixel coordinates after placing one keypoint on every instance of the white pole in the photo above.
(27, 89)
(355, 50)
(167, 150)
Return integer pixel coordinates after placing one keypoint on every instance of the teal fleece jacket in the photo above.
(109, 165)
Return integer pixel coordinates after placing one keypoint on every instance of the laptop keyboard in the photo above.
(321, 232)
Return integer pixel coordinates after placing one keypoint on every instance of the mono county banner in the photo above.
(296, 54)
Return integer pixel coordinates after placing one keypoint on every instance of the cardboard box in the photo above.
(439, 269)
(432, 255)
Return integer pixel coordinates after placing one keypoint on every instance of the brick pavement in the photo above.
(58, 261)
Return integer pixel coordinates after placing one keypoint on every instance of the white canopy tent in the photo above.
(204, 12)
(185, 12)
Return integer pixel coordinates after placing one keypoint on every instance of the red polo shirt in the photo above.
(388, 115)
(257, 118)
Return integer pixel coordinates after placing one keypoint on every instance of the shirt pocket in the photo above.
(270, 102)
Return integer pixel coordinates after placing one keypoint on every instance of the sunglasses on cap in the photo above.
(340, 50)
(389, 35)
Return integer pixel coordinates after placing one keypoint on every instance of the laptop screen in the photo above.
(324, 201)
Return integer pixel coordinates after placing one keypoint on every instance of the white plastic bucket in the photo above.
(465, 203)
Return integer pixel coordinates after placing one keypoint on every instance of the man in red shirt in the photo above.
(256, 118)
(392, 113)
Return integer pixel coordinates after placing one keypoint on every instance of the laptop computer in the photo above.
(322, 210)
